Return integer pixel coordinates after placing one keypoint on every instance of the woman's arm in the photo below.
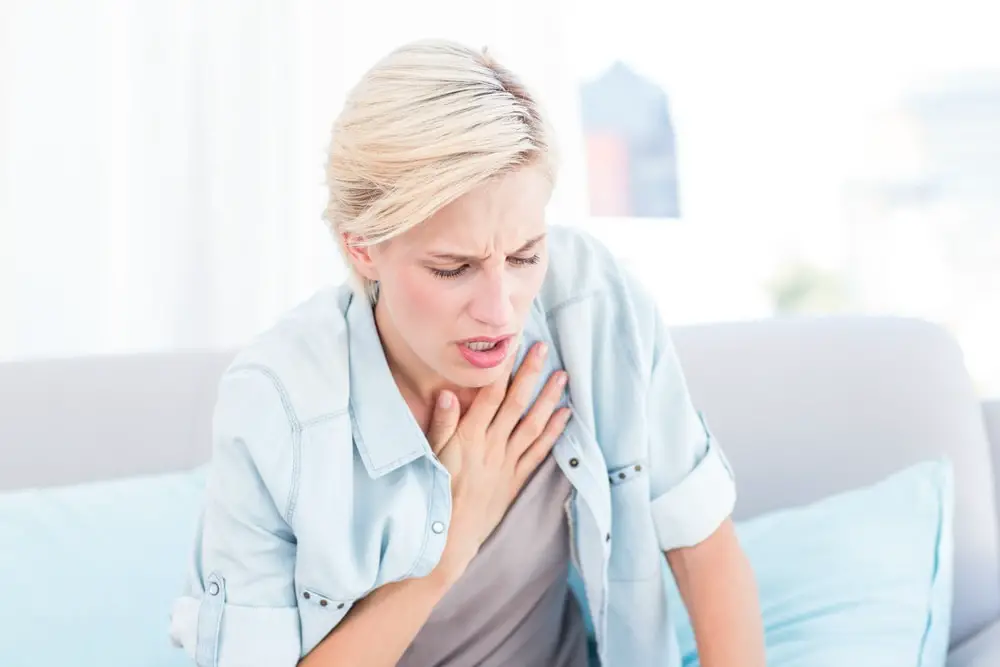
(693, 491)
(378, 630)
(239, 604)
(718, 587)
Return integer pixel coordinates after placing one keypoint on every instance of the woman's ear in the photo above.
(360, 255)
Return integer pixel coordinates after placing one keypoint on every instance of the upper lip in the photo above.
(486, 339)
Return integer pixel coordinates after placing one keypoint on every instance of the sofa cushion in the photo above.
(90, 571)
(862, 578)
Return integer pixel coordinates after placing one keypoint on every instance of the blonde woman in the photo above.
(481, 451)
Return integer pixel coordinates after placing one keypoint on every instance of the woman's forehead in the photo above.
(500, 215)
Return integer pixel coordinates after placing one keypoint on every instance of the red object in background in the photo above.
(607, 174)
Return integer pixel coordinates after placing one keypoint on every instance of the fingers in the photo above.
(518, 396)
(541, 447)
(488, 399)
(532, 425)
(444, 421)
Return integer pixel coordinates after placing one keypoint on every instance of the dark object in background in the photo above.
(631, 149)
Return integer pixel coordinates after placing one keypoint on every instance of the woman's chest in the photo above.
(356, 532)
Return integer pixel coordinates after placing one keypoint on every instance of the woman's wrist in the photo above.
(448, 571)
(443, 577)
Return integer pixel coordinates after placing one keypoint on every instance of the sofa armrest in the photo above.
(983, 648)
(980, 650)
(991, 417)
(991, 420)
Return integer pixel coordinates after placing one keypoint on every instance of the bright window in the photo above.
(820, 157)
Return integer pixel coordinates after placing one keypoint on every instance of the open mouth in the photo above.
(485, 352)
(481, 346)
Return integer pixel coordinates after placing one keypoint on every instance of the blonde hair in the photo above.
(425, 125)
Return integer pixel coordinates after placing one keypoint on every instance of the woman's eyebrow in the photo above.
(530, 244)
(460, 258)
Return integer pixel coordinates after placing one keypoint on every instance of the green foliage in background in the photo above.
(800, 288)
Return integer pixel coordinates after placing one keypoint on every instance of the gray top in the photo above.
(513, 605)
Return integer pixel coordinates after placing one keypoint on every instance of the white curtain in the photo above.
(161, 163)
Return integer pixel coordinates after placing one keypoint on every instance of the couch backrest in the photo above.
(803, 407)
(77, 420)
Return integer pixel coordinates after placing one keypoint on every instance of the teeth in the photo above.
(480, 347)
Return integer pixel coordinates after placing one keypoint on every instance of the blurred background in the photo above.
(161, 163)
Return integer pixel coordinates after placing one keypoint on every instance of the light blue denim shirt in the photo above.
(322, 486)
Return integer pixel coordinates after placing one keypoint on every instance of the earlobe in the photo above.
(360, 255)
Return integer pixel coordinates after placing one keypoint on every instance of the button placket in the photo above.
(580, 458)
(438, 518)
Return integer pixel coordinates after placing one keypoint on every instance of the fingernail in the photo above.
(561, 380)
(444, 400)
(542, 350)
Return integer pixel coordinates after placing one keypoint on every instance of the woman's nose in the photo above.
(491, 303)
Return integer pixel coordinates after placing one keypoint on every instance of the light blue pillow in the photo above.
(860, 579)
(88, 573)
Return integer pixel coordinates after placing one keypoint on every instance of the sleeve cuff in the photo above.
(243, 636)
(691, 511)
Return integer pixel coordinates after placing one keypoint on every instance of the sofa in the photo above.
(805, 407)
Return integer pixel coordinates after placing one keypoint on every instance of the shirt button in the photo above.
(574, 462)
(437, 527)
(213, 588)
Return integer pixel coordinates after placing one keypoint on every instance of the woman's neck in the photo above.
(417, 382)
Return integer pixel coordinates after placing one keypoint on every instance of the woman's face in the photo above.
(455, 290)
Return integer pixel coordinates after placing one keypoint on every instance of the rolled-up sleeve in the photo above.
(691, 482)
(239, 605)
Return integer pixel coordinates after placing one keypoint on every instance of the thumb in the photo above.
(444, 421)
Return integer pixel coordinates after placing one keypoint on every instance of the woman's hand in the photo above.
(491, 451)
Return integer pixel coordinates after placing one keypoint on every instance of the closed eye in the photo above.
(450, 273)
(458, 271)
(523, 261)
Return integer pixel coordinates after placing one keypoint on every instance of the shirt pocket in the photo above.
(635, 553)
(319, 614)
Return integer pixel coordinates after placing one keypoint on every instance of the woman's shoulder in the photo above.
(583, 269)
(580, 266)
(304, 355)
(575, 253)
(588, 292)
(287, 381)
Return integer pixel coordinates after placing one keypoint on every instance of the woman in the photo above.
(410, 470)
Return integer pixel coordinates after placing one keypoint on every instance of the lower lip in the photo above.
(486, 358)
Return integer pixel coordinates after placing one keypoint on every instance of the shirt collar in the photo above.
(385, 431)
